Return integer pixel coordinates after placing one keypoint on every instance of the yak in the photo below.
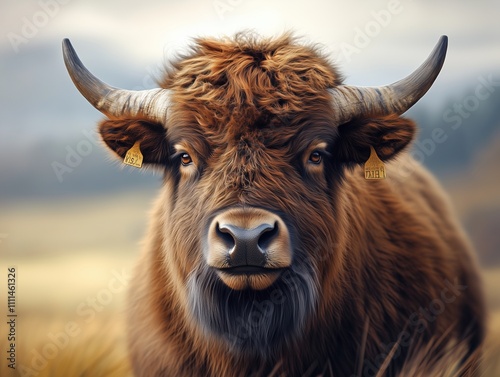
(269, 252)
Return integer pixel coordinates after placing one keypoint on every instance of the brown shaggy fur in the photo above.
(382, 262)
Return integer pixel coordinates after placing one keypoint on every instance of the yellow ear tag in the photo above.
(374, 167)
(134, 156)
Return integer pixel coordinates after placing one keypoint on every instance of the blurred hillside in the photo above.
(465, 158)
(476, 197)
(34, 169)
(469, 120)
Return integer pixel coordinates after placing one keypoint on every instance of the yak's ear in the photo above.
(121, 135)
(388, 135)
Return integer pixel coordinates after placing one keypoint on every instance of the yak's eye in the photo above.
(186, 159)
(315, 158)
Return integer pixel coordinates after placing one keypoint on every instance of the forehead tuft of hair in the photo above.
(271, 75)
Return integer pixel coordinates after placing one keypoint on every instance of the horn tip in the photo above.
(443, 44)
(441, 50)
(68, 50)
(66, 43)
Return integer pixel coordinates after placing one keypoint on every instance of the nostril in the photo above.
(225, 235)
(267, 236)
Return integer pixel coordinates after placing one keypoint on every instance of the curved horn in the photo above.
(114, 102)
(352, 101)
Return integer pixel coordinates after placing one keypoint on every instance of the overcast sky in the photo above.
(125, 42)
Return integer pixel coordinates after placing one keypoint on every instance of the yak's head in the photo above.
(254, 138)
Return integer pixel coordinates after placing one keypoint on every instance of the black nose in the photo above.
(247, 247)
